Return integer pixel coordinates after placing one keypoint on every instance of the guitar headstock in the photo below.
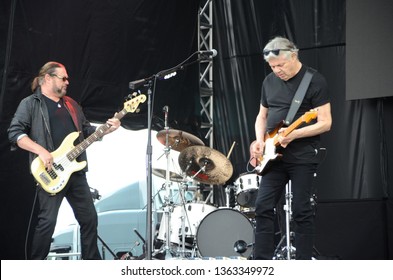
(310, 115)
(132, 105)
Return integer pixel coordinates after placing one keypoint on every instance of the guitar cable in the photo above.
(250, 165)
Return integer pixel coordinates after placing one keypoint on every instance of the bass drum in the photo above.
(225, 233)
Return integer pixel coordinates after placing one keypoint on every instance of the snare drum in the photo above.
(193, 215)
(247, 189)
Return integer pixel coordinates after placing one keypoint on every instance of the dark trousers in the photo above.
(77, 193)
(271, 188)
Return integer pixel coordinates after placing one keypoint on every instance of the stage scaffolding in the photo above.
(205, 42)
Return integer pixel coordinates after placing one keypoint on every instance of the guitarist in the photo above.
(299, 149)
(41, 122)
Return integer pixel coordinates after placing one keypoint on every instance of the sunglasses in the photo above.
(275, 52)
(61, 78)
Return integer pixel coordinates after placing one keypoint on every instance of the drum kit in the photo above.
(193, 227)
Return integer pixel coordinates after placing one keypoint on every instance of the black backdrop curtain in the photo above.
(104, 45)
(358, 146)
(355, 182)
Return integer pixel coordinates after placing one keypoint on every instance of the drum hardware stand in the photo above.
(198, 194)
(228, 194)
(289, 249)
(136, 244)
(105, 246)
(183, 218)
(167, 205)
(229, 188)
(149, 83)
(203, 169)
(208, 196)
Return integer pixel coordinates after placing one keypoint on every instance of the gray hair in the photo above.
(282, 44)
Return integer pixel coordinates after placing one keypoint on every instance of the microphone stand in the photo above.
(149, 216)
(164, 74)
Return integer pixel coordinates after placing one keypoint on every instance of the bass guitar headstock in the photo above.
(132, 104)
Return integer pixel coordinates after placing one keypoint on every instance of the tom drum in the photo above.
(247, 189)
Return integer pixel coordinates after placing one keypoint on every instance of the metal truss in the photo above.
(205, 42)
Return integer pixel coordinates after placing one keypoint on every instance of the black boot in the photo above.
(304, 243)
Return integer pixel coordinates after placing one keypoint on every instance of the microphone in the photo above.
(211, 53)
(137, 83)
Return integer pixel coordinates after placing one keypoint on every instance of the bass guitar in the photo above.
(262, 162)
(64, 158)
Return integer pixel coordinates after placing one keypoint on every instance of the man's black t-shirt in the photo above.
(60, 121)
(277, 96)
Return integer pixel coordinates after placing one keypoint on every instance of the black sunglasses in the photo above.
(275, 52)
(61, 78)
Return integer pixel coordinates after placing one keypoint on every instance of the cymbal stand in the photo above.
(184, 218)
(228, 195)
(229, 188)
(167, 205)
(289, 249)
(203, 169)
(288, 217)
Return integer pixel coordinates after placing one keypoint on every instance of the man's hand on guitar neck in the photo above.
(285, 140)
(114, 124)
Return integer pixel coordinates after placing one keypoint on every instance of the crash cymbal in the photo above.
(172, 175)
(217, 168)
(178, 140)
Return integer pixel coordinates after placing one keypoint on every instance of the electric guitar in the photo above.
(64, 158)
(263, 162)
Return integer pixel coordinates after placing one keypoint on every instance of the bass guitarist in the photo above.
(40, 124)
(298, 149)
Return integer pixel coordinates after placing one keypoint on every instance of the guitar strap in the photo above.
(299, 95)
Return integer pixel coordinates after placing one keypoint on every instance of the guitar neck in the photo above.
(98, 134)
(289, 129)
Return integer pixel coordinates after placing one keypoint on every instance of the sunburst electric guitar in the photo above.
(64, 158)
(263, 161)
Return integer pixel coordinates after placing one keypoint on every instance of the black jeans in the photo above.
(77, 193)
(271, 188)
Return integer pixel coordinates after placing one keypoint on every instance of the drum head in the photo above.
(247, 198)
(221, 230)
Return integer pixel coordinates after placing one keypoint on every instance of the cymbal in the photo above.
(217, 168)
(172, 175)
(178, 140)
